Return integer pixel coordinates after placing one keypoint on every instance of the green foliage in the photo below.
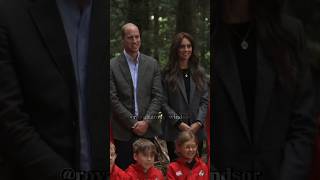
(156, 40)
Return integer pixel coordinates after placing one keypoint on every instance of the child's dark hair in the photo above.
(185, 136)
(144, 146)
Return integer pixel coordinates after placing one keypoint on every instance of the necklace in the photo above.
(244, 43)
(185, 73)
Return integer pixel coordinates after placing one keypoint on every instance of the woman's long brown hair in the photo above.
(172, 68)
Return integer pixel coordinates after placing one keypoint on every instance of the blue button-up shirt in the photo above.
(134, 76)
(77, 27)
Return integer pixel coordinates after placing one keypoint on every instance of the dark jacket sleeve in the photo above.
(203, 105)
(299, 145)
(20, 142)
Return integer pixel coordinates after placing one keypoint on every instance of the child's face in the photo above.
(146, 160)
(188, 150)
(113, 157)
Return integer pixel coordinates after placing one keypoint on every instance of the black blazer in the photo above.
(281, 145)
(177, 107)
(38, 97)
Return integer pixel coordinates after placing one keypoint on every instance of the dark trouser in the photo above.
(124, 153)
(171, 150)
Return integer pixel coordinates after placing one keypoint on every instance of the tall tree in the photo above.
(185, 15)
(139, 14)
(156, 28)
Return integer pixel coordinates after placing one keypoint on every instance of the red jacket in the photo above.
(179, 171)
(118, 174)
(208, 119)
(136, 172)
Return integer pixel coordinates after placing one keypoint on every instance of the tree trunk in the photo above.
(156, 29)
(185, 16)
(138, 13)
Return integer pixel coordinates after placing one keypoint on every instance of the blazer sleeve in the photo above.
(156, 94)
(119, 110)
(20, 141)
(203, 106)
(299, 146)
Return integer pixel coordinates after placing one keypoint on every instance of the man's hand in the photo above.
(195, 127)
(184, 127)
(140, 128)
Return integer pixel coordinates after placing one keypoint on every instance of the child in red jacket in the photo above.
(188, 166)
(144, 152)
(115, 172)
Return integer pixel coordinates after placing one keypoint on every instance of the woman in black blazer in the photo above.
(185, 92)
(263, 123)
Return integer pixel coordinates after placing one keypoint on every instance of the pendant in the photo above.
(244, 45)
(186, 75)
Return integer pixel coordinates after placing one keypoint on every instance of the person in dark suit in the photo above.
(136, 95)
(53, 90)
(185, 93)
(263, 124)
(315, 174)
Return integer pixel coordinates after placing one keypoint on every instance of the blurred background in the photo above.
(159, 21)
(308, 12)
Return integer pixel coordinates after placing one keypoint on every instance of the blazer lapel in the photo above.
(182, 88)
(141, 70)
(226, 69)
(125, 69)
(265, 84)
(192, 89)
(46, 17)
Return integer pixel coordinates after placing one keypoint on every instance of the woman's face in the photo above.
(188, 150)
(185, 50)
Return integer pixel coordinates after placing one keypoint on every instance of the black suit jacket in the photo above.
(281, 145)
(39, 132)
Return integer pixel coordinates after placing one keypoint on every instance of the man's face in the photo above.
(146, 160)
(131, 40)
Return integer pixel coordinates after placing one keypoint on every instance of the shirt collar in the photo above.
(129, 58)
